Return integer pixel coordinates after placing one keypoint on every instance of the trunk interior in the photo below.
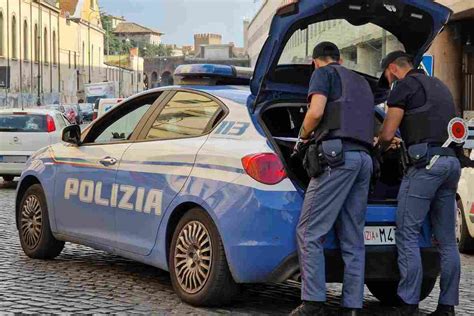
(283, 122)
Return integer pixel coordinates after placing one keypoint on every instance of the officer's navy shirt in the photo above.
(325, 81)
(408, 93)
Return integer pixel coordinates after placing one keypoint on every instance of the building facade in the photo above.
(49, 49)
(363, 47)
(137, 33)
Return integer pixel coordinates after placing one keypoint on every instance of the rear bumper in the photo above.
(11, 169)
(381, 264)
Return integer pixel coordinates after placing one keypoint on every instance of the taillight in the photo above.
(50, 126)
(94, 116)
(265, 168)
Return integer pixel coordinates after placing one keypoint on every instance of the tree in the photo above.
(155, 50)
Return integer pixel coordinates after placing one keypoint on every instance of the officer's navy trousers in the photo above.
(337, 198)
(422, 193)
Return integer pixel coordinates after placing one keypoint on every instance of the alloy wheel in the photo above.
(193, 257)
(31, 221)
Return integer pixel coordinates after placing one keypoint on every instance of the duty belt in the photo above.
(353, 146)
(442, 151)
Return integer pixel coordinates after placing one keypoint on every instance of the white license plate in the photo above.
(14, 159)
(379, 235)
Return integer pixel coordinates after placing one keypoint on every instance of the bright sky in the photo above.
(181, 19)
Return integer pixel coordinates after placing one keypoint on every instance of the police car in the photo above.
(197, 179)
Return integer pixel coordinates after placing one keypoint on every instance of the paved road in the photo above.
(83, 280)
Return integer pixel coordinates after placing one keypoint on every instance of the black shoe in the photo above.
(406, 310)
(349, 312)
(308, 308)
(444, 310)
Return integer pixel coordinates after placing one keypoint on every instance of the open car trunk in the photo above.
(283, 122)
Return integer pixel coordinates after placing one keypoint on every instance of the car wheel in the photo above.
(36, 237)
(464, 239)
(386, 291)
(8, 178)
(198, 266)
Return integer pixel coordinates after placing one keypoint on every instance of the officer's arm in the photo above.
(390, 125)
(314, 115)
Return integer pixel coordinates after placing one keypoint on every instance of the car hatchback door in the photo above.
(85, 180)
(159, 164)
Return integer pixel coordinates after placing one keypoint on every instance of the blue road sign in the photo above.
(427, 64)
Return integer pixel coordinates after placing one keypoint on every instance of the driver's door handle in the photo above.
(108, 161)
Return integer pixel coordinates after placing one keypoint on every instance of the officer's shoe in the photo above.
(308, 308)
(349, 312)
(444, 310)
(406, 310)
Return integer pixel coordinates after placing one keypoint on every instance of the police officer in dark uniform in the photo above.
(422, 106)
(340, 118)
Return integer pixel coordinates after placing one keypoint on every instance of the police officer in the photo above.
(341, 115)
(422, 106)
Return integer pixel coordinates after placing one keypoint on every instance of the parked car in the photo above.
(197, 180)
(22, 132)
(87, 110)
(465, 203)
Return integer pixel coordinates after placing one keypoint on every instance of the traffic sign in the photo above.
(427, 64)
(469, 144)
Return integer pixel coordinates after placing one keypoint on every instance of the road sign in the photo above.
(469, 144)
(427, 64)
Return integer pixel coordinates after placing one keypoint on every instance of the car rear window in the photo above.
(30, 123)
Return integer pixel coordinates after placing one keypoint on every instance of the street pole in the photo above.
(89, 45)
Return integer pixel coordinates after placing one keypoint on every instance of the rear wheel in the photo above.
(464, 239)
(36, 237)
(8, 178)
(199, 271)
(386, 291)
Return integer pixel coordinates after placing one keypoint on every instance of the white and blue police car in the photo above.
(197, 179)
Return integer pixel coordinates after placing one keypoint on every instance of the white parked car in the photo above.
(465, 223)
(23, 132)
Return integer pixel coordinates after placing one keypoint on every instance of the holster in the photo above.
(312, 161)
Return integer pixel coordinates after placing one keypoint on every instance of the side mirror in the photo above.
(72, 134)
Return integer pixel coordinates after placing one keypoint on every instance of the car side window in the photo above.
(119, 124)
(185, 115)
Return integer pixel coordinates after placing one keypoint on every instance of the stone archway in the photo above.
(166, 79)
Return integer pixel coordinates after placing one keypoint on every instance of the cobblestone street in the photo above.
(83, 280)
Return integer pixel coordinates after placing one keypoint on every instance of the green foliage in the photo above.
(117, 46)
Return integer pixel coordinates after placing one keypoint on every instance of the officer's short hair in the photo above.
(326, 51)
(403, 62)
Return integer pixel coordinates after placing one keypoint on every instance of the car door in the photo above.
(85, 181)
(159, 164)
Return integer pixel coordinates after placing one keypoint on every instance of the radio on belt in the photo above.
(458, 133)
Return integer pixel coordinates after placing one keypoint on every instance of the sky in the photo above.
(181, 19)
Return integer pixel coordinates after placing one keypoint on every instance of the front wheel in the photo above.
(36, 237)
(198, 265)
(386, 291)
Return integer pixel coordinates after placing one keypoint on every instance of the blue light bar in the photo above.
(205, 70)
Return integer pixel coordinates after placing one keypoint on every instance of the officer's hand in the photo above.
(300, 148)
(395, 144)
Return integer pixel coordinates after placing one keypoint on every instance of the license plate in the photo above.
(14, 159)
(379, 235)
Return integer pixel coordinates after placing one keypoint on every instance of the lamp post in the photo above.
(127, 40)
(138, 61)
(89, 41)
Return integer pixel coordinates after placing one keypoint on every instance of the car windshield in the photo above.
(362, 47)
(30, 123)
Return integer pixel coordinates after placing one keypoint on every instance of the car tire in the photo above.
(198, 266)
(8, 178)
(464, 239)
(36, 237)
(386, 291)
